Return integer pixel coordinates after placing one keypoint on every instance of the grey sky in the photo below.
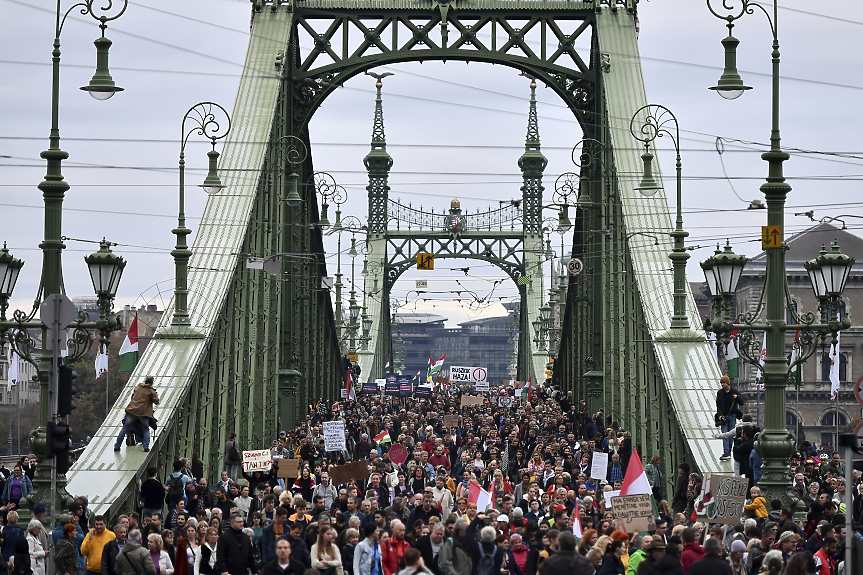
(168, 62)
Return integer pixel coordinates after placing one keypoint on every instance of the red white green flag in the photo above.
(129, 349)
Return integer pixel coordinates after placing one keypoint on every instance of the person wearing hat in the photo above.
(655, 549)
(728, 404)
(787, 544)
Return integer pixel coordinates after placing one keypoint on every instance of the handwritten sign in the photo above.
(398, 454)
(471, 400)
(724, 498)
(599, 466)
(450, 421)
(289, 468)
(257, 460)
(334, 435)
(357, 470)
(634, 512)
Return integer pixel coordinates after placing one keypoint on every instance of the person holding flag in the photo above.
(434, 368)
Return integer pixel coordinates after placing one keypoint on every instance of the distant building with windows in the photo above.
(489, 342)
(26, 390)
(810, 410)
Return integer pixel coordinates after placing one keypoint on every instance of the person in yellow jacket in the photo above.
(758, 505)
(93, 543)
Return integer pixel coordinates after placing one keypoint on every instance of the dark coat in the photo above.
(712, 564)
(267, 543)
(299, 551)
(109, 557)
(294, 568)
(678, 503)
(424, 546)
(667, 565)
(611, 565)
(568, 562)
(234, 553)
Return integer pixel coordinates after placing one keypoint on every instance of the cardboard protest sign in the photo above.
(398, 454)
(723, 498)
(343, 473)
(471, 400)
(289, 468)
(633, 512)
(450, 421)
(257, 460)
(334, 436)
(599, 466)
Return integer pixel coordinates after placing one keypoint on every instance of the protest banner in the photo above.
(599, 466)
(257, 460)
(344, 393)
(471, 400)
(450, 421)
(370, 388)
(608, 495)
(406, 385)
(334, 435)
(423, 391)
(392, 386)
(357, 470)
(723, 498)
(469, 374)
(481, 386)
(633, 513)
(289, 468)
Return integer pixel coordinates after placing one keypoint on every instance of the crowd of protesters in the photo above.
(418, 518)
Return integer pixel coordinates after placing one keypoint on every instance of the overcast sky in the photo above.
(454, 131)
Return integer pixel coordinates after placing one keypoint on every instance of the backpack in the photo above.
(486, 562)
(176, 488)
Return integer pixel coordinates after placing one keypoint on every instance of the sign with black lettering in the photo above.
(633, 512)
(723, 498)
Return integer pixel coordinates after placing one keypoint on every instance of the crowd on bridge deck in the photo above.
(534, 459)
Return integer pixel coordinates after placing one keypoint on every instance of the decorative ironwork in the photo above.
(409, 218)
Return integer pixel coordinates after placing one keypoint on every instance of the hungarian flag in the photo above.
(479, 496)
(14, 370)
(732, 358)
(834, 370)
(434, 367)
(383, 437)
(635, 481)
(129, 349)
(576, 522)
(102, 361)
(795, 355)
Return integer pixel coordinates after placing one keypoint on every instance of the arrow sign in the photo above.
(771, 236)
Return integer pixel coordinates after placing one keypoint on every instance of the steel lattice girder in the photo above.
(343, 38)
(503, 249)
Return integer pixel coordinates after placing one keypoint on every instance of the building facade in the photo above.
(809, 409)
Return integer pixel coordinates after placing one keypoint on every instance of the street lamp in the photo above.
(10, 267)
(292, 152)
(649, 123)
(212, 121)
(54, 189)
(775, 444)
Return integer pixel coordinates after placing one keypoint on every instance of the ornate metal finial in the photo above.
(531, 142)
(455, 204)
(532, 164)
(378, 163)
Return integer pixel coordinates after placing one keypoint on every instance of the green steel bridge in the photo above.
(260, 343)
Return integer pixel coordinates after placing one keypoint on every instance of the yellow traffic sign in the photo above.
(353, 357)
(425, 261)
(771, 236)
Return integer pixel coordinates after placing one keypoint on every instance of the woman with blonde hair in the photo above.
(161, 561)
(326, 557)
(205, 562)
(602, 543)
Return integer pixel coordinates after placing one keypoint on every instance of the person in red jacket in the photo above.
(393, 551)
(826, 556)
(692, 551)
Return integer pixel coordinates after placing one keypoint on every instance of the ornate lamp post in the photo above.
(54, 188)
(649, 123)
(775, 444)
(212, 121)
(330, 191)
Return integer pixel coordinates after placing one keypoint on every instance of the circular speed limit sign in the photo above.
(575, 266)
